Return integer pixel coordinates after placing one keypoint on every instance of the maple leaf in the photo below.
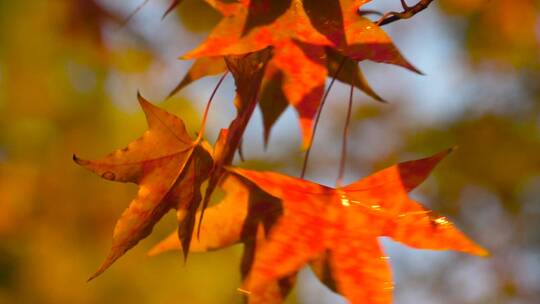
(169, 168)
(343, 224)
(245, 215)
(289, 34)
(298, 31)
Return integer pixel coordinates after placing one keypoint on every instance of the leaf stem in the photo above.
(318, 116)
(207, 108)
(344, 142)
(133, 13)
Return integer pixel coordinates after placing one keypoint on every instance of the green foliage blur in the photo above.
(69, 71)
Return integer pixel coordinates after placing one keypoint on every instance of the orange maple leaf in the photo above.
(298, 31)
(245, 215)
(169, 168)
(343, 225)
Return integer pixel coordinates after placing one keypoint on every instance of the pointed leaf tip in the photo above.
(141, 99)
(76, 158)
(484, 253)
(111, 258)
(146, 105)
(171, 7)
(441, 155)
(95, 275)
(380, 99)
(481, 252)
(80, 161)
(416, 70)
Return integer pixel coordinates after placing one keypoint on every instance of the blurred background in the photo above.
(69, 72)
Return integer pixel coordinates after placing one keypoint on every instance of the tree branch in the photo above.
(408, 12)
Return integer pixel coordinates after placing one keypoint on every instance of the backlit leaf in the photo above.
(166, 164)
(298, 32)
(345, 223)
(244, 216)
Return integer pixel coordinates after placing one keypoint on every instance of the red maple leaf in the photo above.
(298, 32)
(344, 224)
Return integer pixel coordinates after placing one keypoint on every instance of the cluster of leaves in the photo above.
(279, 53)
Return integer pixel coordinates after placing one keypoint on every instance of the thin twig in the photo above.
(408, 12)
(344, 141)
(318, 116)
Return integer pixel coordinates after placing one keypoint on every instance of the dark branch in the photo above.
(369, 12)
(408, 12)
